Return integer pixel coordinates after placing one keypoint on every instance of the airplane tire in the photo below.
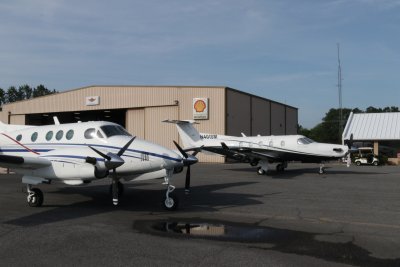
(260, 171)
(280, 168)
(36, 200)
(171, 203)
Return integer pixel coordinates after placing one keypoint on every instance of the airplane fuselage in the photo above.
(67, 148)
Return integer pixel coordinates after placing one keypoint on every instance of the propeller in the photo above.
(113, 161)
(349, 143)
(187, 161)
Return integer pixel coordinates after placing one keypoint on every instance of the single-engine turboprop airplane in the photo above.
(78, 153)
(261, 150)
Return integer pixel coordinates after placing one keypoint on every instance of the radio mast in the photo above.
(340, 93)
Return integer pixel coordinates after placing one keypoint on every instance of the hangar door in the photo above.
(147, 123)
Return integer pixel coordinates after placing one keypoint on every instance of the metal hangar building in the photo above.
(140, 109)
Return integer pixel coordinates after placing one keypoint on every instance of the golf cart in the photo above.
(366, 156)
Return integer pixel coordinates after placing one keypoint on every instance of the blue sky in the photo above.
(278, 49)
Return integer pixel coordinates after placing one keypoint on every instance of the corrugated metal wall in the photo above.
(254, 115)
(261, 117)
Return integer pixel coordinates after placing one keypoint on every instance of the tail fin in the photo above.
(189, 135)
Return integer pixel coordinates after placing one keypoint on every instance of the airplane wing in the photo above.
(242, 154)
(8, 161)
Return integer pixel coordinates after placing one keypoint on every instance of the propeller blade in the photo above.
(197, 151)
(184, 154)
(122, 151)
(114, 188)
(101, 153)
(187, 181)
(349, 142)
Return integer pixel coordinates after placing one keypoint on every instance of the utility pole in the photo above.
(340, 93)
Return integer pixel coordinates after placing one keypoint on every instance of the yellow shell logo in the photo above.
(199, 106)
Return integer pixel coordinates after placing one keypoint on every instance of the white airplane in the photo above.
(261, 150)
(79, 153)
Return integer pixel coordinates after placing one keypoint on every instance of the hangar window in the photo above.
(59, 135)
(69, 134)
(19, 137)
(89, 133)
(49, 135)
(34, 136)
(111, 130)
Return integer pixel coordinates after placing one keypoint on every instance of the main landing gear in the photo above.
(321, 168)
(35, 196)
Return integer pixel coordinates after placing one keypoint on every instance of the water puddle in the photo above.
(332, 247)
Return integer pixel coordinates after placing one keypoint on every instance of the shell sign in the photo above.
(200, 108)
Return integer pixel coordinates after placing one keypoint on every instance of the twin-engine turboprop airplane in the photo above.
(78, 153)
(260, 150)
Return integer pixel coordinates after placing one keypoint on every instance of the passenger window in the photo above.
(99, 135)
(59, 135)
(69, 134)
(34, 137)
(19, 137)
(89, 133)
(49, 135)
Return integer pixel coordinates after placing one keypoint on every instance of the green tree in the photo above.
(2, 96)
(12, 94)
(26, 91)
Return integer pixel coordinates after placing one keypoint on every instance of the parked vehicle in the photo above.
(366, 156)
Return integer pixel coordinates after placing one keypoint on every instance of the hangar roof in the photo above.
(373, 126)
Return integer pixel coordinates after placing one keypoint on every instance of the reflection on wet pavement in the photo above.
(268, 238)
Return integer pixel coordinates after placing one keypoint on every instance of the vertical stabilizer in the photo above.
(189, 135)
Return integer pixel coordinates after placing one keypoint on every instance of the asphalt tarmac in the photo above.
(232, 217)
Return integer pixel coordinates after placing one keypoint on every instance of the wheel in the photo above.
(260, 171)
(35, 199)
(280, 168)
(171, 203)
(375, 163)
(358, 163)
(254, 163)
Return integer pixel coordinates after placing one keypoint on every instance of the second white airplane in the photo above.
(260, 150)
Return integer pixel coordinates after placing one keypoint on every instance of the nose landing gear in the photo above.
(171, 201)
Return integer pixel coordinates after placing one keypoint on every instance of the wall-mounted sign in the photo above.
(200, 108)
(92, 100)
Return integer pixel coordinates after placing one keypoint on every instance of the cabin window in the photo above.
(111, 130)
(19, 137)
(305, 141)
(49, 135)
(34, 137)
(59, 135)
(89, 133)
(69, 134)
(99, 134)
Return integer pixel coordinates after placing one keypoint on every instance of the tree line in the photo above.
(328, 130)
(23, 92)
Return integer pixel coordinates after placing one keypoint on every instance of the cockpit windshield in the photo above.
(305, 141)
(111, 130)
